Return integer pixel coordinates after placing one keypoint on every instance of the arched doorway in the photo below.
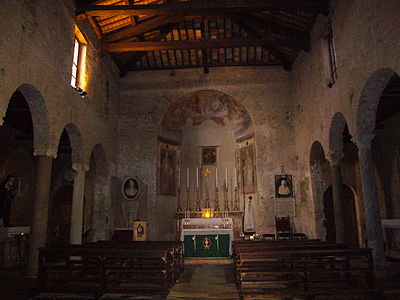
(329, 213)
(320, 181)
(350, 216)
(60, 216)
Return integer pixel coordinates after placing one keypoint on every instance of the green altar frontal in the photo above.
(207, 245)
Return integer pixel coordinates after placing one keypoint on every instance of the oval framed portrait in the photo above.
(130, 188)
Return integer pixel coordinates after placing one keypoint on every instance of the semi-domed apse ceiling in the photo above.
(195, 108)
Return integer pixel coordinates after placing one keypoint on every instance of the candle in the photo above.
(226, 177)
(179, 178)
(216, 177)
(187, 177)
(197, 177)
(234, 172)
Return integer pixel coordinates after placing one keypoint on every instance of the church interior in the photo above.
(146, 141)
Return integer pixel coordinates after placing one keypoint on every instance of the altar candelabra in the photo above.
(226, 206)
(198, 208)
(236, 201)
(178, 206)
(188, 200)
(216, 200)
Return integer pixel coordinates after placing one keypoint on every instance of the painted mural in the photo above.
(167, 169)
(208, 105)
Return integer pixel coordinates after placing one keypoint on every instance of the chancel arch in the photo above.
(206, 143)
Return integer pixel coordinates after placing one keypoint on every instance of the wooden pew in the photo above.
(103, 268)
(303, 269)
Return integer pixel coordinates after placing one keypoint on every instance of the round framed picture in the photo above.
(130, 188)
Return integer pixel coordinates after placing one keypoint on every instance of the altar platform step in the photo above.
(208, 261)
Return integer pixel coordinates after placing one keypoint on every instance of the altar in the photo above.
(207, 237)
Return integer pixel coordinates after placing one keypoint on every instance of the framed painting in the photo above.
(283, 186)
(130, 188)
(209, 155)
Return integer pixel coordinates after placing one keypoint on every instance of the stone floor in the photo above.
(205, 281)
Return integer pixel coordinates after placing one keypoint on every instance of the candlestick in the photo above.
(187, 177)
(216, 176)
(179, 178)
(197, 177)
(226, 177)
(216, 200)
(236, 200)
(188, 200)
(179, 207)
(206, 174)
(198, 208)
(226, 207)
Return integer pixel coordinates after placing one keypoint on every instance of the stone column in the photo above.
(41, 211)
(370, 198)
(75, 236)
(335, 160)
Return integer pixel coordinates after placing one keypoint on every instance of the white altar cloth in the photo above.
(211, 226)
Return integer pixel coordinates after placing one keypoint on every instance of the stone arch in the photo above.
(338, 124)
(318, 186)
(76, 141)
(40, 117)
(369, 99)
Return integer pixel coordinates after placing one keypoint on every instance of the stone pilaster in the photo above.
(335, 160)
(41, 210)
(75, 236)
(370, 198)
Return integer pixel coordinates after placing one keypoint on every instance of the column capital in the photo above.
(80, 167)
(45, 152)
(363, 140)
(335, 158)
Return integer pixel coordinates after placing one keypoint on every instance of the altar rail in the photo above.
(109, 267)
(304, 269)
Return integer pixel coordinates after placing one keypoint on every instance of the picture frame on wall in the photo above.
(209, 155)
(130, 188)
(284, 186)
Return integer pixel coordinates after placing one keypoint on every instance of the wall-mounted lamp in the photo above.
(81, 92)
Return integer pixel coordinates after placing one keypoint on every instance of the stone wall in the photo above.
(36, 47)
(366, 38)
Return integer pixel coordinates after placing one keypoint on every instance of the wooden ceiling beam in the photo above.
(201, 6)
(193, 44)
(144, 27)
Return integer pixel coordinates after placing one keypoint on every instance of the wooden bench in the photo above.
(302, 269)
(103, 268)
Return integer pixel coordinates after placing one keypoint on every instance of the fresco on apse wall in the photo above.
(247, 169)
(208, 105)
(167, 170)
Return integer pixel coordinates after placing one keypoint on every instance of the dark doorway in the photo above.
(60, 216)
(329, 215)
(350, 216)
